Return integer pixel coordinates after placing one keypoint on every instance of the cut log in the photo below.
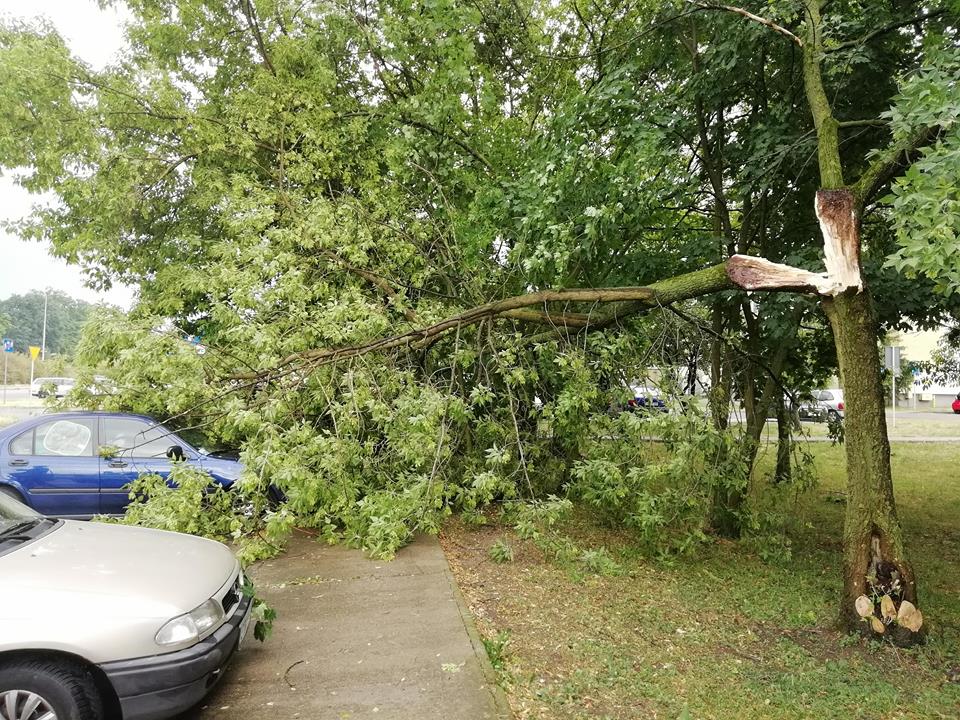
(887, 608)
(909, 616)
(864, 606)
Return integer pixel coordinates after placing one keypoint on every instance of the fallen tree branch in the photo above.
(374, 279)
(740, 271)
(682, 287)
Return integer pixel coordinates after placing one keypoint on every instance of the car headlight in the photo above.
(192, 625)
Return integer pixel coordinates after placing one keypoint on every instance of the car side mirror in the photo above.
(175, 452)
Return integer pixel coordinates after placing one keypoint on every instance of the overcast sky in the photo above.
(96, 36)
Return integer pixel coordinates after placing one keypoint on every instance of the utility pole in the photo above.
(43, 340)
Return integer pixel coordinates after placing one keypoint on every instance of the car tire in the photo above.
(64, 689)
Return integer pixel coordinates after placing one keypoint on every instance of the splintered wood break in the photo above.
(753, 273)
(836, 211)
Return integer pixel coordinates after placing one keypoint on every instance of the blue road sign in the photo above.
(7, 345)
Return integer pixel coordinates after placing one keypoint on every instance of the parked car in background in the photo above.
(832, 400)
(822, 405)
(47, 386)
(646, 398)
(101, 620)
(956, 405)
(78, 464)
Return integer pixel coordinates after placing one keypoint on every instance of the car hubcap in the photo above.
(24, 705)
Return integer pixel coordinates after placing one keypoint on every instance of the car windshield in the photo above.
(14, 514)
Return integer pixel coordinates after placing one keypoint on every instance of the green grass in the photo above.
(908, 425)
(725, 634)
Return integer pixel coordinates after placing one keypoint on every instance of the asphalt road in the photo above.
(16, 403)
(14, 395)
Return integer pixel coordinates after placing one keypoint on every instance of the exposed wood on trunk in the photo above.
(837, 213)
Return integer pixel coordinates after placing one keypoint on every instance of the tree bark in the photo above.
(874, 560)
(783, 472)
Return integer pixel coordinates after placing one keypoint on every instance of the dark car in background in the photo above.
(646, 398)
(78, 464)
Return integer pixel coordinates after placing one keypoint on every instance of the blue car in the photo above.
(76, 464)
(646, 398)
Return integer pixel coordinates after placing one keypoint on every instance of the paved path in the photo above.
(357, 638)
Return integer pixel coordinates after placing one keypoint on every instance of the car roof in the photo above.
(39, 419)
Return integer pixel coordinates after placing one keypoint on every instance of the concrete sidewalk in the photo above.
(358, 638)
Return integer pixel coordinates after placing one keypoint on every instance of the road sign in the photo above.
(8, 345)
(34, 351)
(891, 359)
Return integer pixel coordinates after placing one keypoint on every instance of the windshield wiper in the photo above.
(21, 526)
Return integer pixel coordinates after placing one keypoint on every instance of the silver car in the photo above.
(101, 620)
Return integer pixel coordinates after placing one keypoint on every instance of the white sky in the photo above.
(96, 36)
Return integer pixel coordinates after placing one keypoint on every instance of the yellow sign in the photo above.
(34, 351)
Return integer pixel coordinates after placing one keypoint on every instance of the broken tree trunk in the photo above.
(874, 560)
(875, 563)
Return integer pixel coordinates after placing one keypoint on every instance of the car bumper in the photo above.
(161, 686)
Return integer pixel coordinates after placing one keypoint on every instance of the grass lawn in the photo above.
(725, 634)
(908, 425)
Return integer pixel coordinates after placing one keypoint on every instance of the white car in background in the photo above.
(821, 405)
(832, 400)
(47, 386)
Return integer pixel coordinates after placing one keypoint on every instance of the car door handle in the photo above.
(117, 464)
(19, 463)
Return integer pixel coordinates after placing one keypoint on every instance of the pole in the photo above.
(31, 370)
(43, 340)
(5, 355)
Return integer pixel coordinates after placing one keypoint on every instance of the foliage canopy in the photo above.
(281, 176)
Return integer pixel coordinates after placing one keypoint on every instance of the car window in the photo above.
(67, 438)
(137, 438)
(826, 395)
(22, 444)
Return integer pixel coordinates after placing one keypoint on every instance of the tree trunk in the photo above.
(874, 561)
(783, 472)
(725, 509)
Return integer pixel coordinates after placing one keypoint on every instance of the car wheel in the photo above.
(47, 690)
